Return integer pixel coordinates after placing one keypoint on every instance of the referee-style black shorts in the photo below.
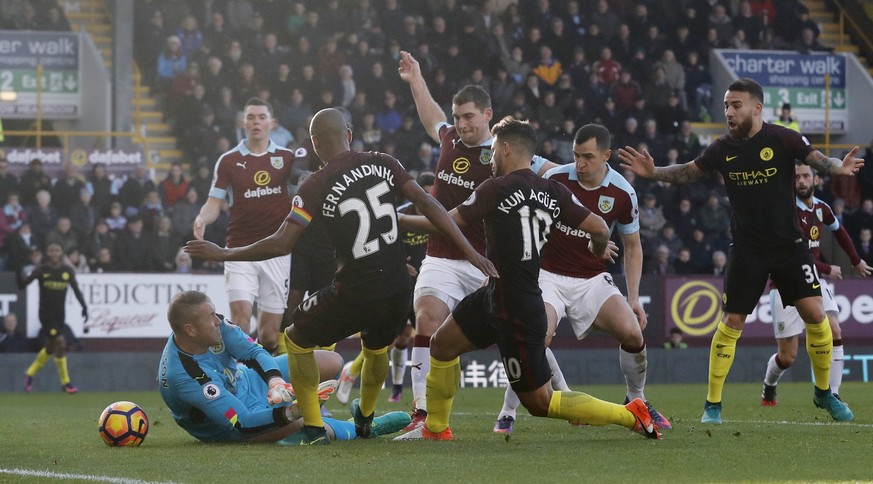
(520, 337)
(327, 317)
(791, 267)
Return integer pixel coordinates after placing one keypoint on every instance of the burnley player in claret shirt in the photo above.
(519, 210)
(464, 163)
(253, 178)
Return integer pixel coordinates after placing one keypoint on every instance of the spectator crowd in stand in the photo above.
(637, 67)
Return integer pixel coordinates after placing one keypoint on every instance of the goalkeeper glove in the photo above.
(280, 391)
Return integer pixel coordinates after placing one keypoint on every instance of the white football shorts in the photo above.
(787, 321)
(263, 281)
(448, 280)
(579, 300)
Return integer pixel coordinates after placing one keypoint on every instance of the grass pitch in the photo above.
(50, 437)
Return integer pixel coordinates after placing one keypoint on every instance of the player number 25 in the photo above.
(363, 247)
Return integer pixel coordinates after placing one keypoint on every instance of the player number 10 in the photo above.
(534, 229)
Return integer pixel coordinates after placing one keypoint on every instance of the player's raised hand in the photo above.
(408, 68)
(863, 269)
(640, 163)
(280, 391)
(851, 165)
(199, 228)
(203, 249)
(611, 251)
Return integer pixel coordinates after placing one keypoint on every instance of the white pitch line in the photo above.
(808, 424)
(80, 477)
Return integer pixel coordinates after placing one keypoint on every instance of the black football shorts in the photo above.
(791, 267)
(520, 337)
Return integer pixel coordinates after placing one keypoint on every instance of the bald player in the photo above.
(351, 196)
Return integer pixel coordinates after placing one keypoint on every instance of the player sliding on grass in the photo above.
(371, 292)
(216, 399)
(465, 152)
(519, 209)
(575, 283)
(756, 161)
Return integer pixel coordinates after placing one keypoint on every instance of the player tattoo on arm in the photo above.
(849, 165)
(643, 165)
(684, 173)
(823, 163)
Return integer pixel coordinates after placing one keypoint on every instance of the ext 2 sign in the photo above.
(59, 54)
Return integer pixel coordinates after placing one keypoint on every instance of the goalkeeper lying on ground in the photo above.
(221, 387)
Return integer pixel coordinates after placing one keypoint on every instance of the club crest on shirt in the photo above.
(217, 348)
(605, 203)
(819, 214)
(277, 161)
(767, 154)
(485, 156)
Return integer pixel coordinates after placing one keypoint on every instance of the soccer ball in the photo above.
(123, 424)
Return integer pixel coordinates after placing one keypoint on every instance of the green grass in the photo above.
(53, 432)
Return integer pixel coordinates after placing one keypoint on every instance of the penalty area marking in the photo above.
(80, 477)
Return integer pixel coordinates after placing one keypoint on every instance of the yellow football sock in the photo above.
(357, 363)
(721, 357)
(581, 408)
(303, 371)
(41, 359)
(373, 372)
(328, 348)
(62, 369)
(281, 349)
(442, 384)
(819, 346)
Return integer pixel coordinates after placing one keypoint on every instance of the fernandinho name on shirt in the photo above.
(518, 196)
(453, 179)
(328, 208)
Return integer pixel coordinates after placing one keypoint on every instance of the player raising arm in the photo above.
(756, 160)
(371, 290)
(519, 209)
(465, 154)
